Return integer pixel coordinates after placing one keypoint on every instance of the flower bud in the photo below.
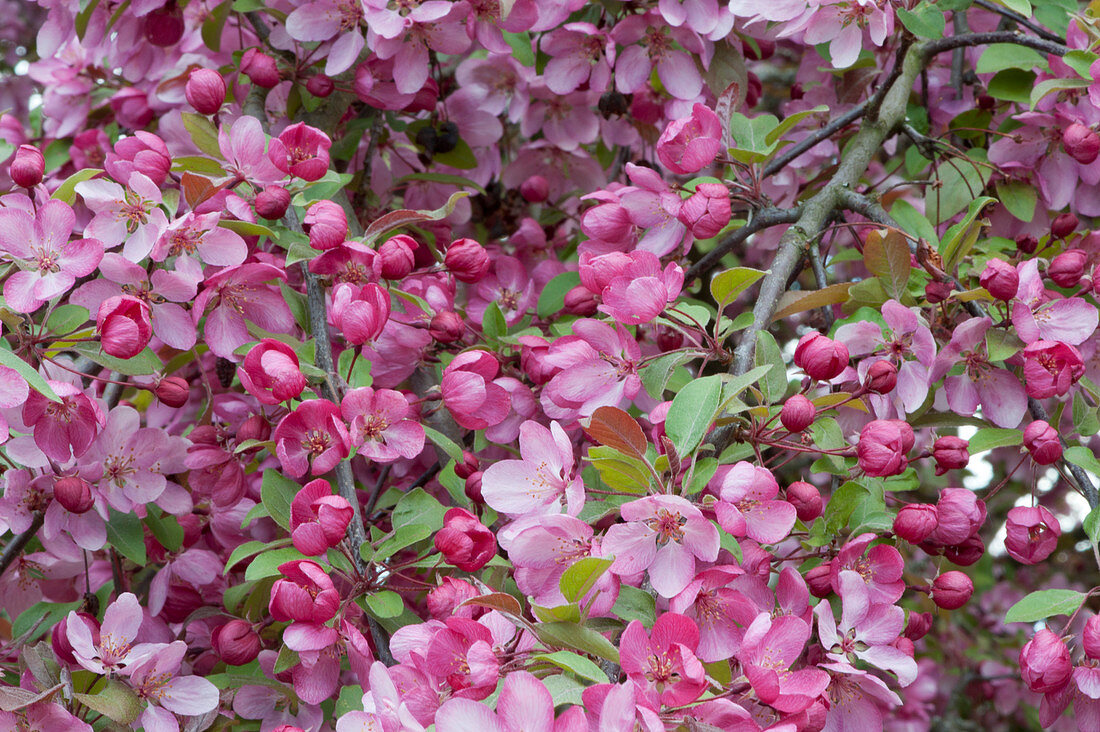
(320, 86)
(806, 499)
(1027, 243)
(918, 625)
(581, 301)
(915, 522)
(881, 378)
(966, 553)
(467, 261)
(464, 541)
(1031, 534)
(1090, 637)
(936, 291)
(395, 258)
(1064, 225)
(180, 601)
(1041, 440)
(669, 339)
(689, 144)
(124, 326)
(205, 91)
(306, 594)
(1067, 269)
(1081, 143)
(1045, 663)
(473, 488)
(272, 202)
(74, 494)
(164, 26)
(535, 189)
(950, 453)
(820, 357)
(447, 327)
(820, 580)
(255, 427)
(882, 447)
(318, 519)
(260, 68)
(236, 642)
(327, 225)
(906, 646)
(59, 636)
(173, 391)
(443, 601)
(28, 166)
(959, 515)
(707, 211)
(951, 590)
(271, 372)
(468, 466)
(798, 413)
(1000, 279)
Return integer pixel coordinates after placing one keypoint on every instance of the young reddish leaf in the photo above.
(615, 428)
(501, 601)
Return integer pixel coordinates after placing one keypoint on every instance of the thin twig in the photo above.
(790, 153)
(1019, 20)
(15, 547)
(931, 48)
(765, 218)
(1084, 482)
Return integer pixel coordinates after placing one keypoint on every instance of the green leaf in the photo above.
(462, 157)
(385, 604)
(960, 238)
(692, 412)
(1044, 604)
(790, 121)
(1019, 198)
(242, 552)
(116, 700)
(1082, 457)
(267, 563)
(635, 604)
(42, 616)
(774, 382)
(1091, 525)
(727, 285)
(446, 444)
(66, 318)
(962, 182)
(402, 537)
(214, 24)
(405, 217)
(989, 438)
(67, 191)
(1012, 85)
(125, 534)
(1023, 7)
(522, 48)
(277, 492)
(841, 505)
(32, 377)
(143, 364)
(1053, 86)
(577, 637)
(1000, 56)
(750, 137)
(286, 660)
(203, 133)
(582, 576)
(925, 20)
(656, 373)
(166, 528)
(418, 507)
(198, 164)
(1081, 62)
(734, 385)
(579, 665)
(492, 322)
(248, 228)
(913, 221)
(552, 298)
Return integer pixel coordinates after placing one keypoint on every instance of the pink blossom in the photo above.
(770, 647)
(434, 25)
(858, 699)
(270, 372)
(461, 653)
(305, 594)
(63, 429)
(469, 394)
(881, 567)
(720, 611)
(301, 151)
(200, 236)
(1051, 368)
(131, 214)
(664, 535)
(655, 209)
(142, 152)
(665, 661)
(464, 541)
(747, 505)
(524, 705)
(313, 437)
(318, 519)
(690, 144)
(1040, 315)
(998, 392)
(360, 313)
(1031, 534)
(509, 286)
(156, 678)
(325, 20)
(242, 146)
(841, 24)
(381, 424)
(598, 368)
(48, 262)
(578, 52)
(239, 293)
(541, 481)
(115, 649)
(633, 287)
(649, 42)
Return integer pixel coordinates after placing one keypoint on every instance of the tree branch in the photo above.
(931, 48)
(1084, 482)
(1019, 20)
(764, 218)
(793, 151)
(15, 547)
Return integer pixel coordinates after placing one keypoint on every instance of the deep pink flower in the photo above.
(951, 590)
(313, 437)
(301, 151)
(690, 144)
(304, 594)
(464, 541)
(664, 535)
(707, 211)
(663, 661)
(469, 393)
(240, 293)
(467, 260)
(360, 313)
(959, 515)
(1043, 442)
(270, 372)
(382, 424)
(142, 152)
(1051, 368)
(205, 90)
(318, 519)
(747, 505)
(27, 166)
(820, 357)
(124, 325)
(915, 522)
(881, 567)
(541, 481)
(242, 147)
(632, 286)
(769, 648)
(462, 654)
(1000, 279)
(63, 430)
(1032, 534)
(47, 262)
(327, 225)
(598, 368)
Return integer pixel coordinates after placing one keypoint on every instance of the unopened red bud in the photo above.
(473, 487)
(798, 413)
(906, 646)
(320, 86)
(758, 49)
(467, 260)
(581, 301)
(1042, 441)
(882, 377)
(950, 453)
(1027, 243)
(260, 69)
(918, 625)
(1090, 637)
(951, 590)
(936, 291)
(468, 466)
(669, 339)
(173, 391)
(255, 427)
(28, 166)
(395, 258)
(966, 553)
(820, 357)
(236, 642)
(806, 499)
(205, 91)
(535, 189)
(1064, 225)
(986, 102)
(272, 202)
(820, 580)
(164, 26)
(1082, 143)
(74, 494)
(447, 327)
(915, 522)
(1067, 269)
(1045, 662)
(1000, 279)
(59, 636)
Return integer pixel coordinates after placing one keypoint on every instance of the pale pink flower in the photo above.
(198, 235)
(1040, 315)
(524, 705)
(131, 214)
(157, 679)
(999, 393)
(115, 649)
(650, 42)
(747, 505)
(542, 481)
(240, 293)
(598, 368)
